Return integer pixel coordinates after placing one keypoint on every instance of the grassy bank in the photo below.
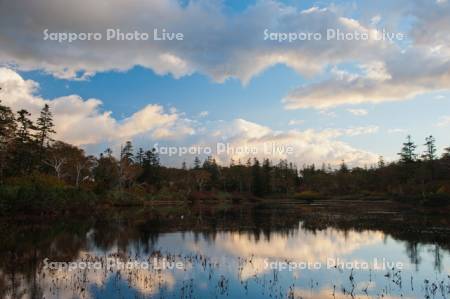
(43, 195)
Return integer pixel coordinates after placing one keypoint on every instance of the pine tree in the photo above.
(44, 127)
(7, 134)
(25, 127)
(128, 170)
(407, 154)
(25, 153)
(150, 167)
(430, 152)
(7, 126)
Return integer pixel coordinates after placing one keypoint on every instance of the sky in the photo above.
(227, 81)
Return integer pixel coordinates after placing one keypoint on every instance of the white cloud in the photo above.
(358, 112)
(83, 122)
(223, 46)
(406, 75)
(245, 139)
(220, 46)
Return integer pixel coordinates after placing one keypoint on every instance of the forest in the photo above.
(38, 173)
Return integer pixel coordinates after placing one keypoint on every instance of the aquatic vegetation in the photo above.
(208, 252)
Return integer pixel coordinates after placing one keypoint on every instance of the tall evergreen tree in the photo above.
(150, 167)
(44, 127)
(7, 135)
(25, 127)
(430, 151)
(7, 126)
(408, 152)
(25, 151)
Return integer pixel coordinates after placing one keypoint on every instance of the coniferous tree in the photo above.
(44, 127)
(408, 152)
(429, 157)
(7, 135)
(127, 168)
(430, 151)
(25, 151)
(150, 168)
(7, 126)
(25, 127)
(20, 142)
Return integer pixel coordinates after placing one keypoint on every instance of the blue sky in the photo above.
(336, 100)
(124, 93)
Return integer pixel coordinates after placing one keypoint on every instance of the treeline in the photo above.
(414, 176)
(141, 169)
(35, 170)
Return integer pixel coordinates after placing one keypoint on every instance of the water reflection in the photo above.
(226, 252)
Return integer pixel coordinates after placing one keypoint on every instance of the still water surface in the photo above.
(210, 254)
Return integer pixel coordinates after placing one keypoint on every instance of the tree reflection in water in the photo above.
(224, 250)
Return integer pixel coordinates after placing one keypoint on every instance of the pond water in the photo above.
(238, 253)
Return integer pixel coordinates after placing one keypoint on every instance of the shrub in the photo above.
(40, 192)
